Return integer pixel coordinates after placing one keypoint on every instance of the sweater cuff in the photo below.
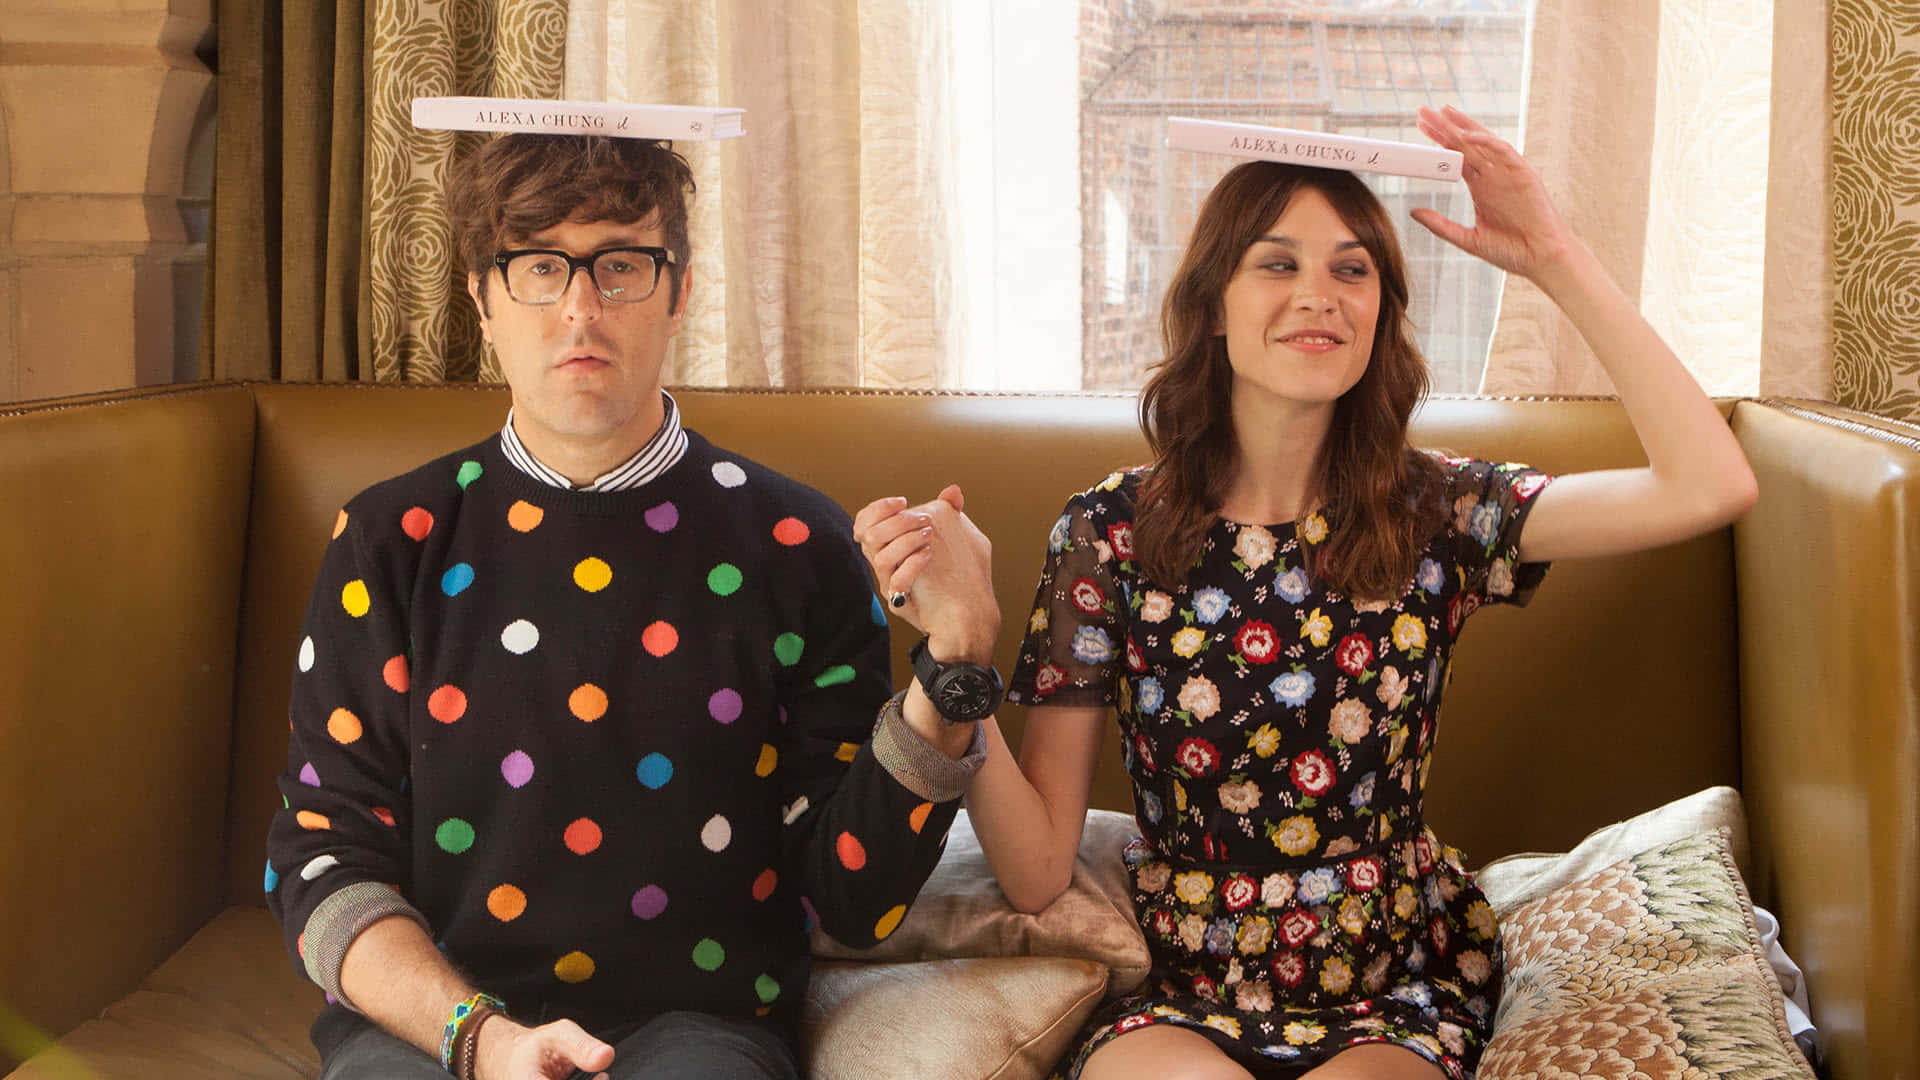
(917, 764)
(339, 919)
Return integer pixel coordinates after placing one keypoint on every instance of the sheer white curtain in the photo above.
(823, 239)
(1686, 141)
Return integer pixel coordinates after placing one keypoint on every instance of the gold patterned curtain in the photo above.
(1733, 269)
(822, 249)
(423, 327)
(1876, 205)
(331, 253)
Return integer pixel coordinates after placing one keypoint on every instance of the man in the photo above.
(584, 721)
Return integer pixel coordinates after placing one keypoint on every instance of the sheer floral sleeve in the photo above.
(1490, 503)
(1077, 629)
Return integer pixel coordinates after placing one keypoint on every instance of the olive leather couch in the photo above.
(159, 546)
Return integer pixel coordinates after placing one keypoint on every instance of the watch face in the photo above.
(965, 693)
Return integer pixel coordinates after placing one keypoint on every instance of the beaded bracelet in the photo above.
(461, 1036)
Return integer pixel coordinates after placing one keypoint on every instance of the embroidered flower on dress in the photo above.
(1209, 605)
(1292, 585)
(1187, 641)
(1257, 642)
(1148, 696)
(1254, 545)
(1318, 629)
(1200, 697)
(1430, 577)
(1350, 722)
(1241, 797)
(1091, 645)
(1293, 688)
(1155, 606)
(1265, 741)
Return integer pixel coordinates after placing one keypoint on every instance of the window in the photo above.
(1359, 67)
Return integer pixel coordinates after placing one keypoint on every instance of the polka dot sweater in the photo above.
(614, 747)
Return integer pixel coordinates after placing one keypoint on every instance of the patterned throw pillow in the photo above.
(1651, 967)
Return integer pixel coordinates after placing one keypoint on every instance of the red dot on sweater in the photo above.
(852, 855)
(447, 704)
(583, 837)
(396, 674)
(764, 884)
(385, 815)
(660, 638)
(416, 523)
(791, 532)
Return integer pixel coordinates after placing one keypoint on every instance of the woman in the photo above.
(1270, 608)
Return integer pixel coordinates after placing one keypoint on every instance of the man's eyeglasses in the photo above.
(623, 275)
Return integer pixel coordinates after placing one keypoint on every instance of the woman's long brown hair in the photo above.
(1383, 497)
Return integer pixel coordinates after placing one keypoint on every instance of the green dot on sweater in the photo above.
(469, 472)
(724, 579)
(787, 648)
(766, 988)
(454, 836)
(708, 955)
(836, 675)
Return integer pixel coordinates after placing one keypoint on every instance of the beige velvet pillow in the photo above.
(992, 1018)
(1648, 968)
(1515, 879)
(962, 914)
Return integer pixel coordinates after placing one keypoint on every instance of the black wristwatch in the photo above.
(961, 691)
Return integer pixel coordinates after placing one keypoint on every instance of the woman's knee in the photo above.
(1162, 1052)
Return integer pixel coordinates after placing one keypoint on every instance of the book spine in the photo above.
(1315, 148)
(576, 118)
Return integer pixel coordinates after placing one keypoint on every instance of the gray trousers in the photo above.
(677, 1045)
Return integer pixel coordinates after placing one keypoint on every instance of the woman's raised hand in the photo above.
(1515, 226)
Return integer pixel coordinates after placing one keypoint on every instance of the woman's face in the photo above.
(1300, 310)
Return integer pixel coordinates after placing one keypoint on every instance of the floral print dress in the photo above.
(1278, 735)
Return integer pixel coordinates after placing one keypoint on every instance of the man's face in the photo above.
(585, 371)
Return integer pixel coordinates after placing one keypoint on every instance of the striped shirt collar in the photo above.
(661, 453)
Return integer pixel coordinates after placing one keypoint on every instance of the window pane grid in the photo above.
(1343, 73)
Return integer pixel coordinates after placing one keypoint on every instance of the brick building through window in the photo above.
(1353, 72)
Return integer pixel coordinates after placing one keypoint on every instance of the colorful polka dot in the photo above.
(767, 988)
(791, 813)
(717, 833)
(663, 518)
(769, 760)
(272, 880)
(724, 579)
(416, 523)
(469, 472)
(396, 674)
(660, 638)
(587, 702)
(878, 612)
(837, 675)
(454, 836)
(520, 637)
(344, 727)
(847, 751)
(853, 856)
(384, 816)
(310, 820)
(724, 706)
(728, 475)
(708, 955)
(517, 769)
(523, 516)
(447, 704)
(583, 837)
(764, 885)
(918, 819)
(592, 574)
(306, 654)
(575, 967)
(649, 902)
(506, 903)
(654, 771)
(317, 866)
(788, 647)
(791, 532)
(889, 922)
(456, 579)
(339, 524)
(355, 599)
(309, 776)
